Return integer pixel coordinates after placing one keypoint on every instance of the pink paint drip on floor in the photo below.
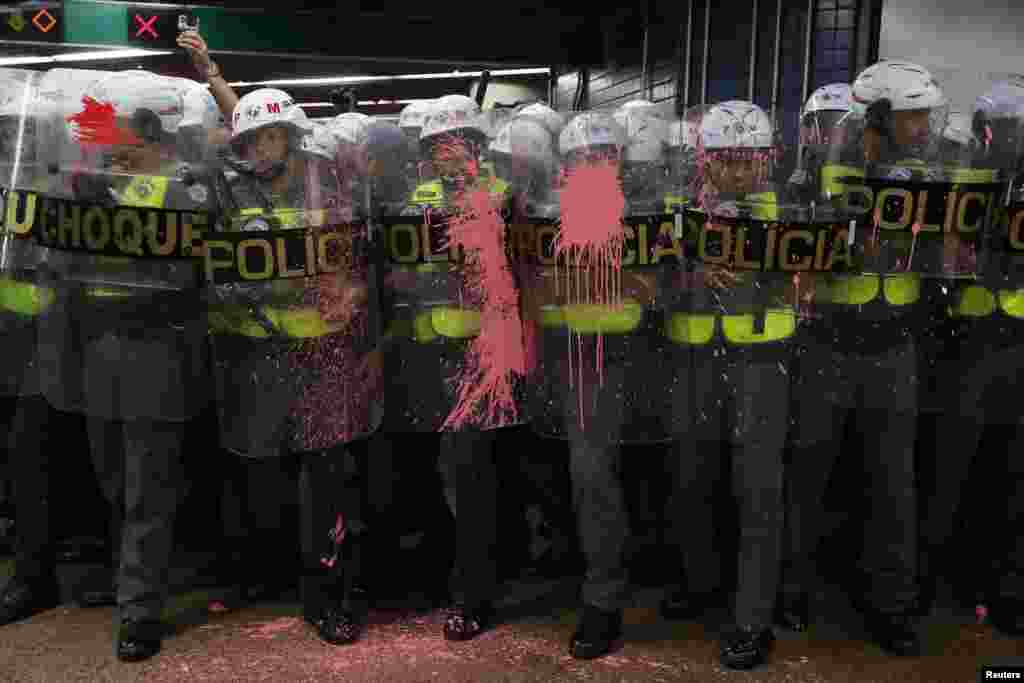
(498, 354)
(590, 244)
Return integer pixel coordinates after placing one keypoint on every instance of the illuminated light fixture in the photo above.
(543, 71)
(363, 103)
(81, 57)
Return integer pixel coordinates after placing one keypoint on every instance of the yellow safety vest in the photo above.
(444, 321)
(699, 328)
(142, 191)
(294, 321)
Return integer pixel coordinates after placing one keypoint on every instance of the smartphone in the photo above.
(184, 25)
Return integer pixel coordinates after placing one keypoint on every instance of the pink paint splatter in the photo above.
(497, 355)
(590, 245)
(97, 125)
(916, 229)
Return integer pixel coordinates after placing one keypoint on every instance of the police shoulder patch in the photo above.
(198, 193)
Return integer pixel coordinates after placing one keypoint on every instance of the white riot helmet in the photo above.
(546, 115)
(261, 109)
(904, 85)
(682, 135)
(824, 113)
(589, 130)
(319, 142)
(998, 123)
(267, 107)
(647, 132)
(350, 128)
(896, 86)
(414, 113)
(524, 138)
(154, 104)
(452, 115)
(735, 125)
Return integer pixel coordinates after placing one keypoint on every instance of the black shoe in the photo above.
(466, 623)
(793, 611)
(337, 626)
(139, 640)
(597, 633)
(23, 598)
(894, 633)
(98, 597)
(1007, 615)
(682, 604)
(745, 647)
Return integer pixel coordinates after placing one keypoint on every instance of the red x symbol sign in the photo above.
(145, 26)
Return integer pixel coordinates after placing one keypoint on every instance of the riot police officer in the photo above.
(290, 356)
(861, 356)
(732, 366)
(125, 342)
(984, 364)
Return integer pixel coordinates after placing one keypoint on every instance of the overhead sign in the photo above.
(554, 38)
(32, 21)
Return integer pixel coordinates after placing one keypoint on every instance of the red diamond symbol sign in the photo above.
(45, 16)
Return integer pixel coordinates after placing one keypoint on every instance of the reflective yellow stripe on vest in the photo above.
(900, 289)
(699, 329)
(594, 318)
(446, 321)
(24, 298)
(976, 301)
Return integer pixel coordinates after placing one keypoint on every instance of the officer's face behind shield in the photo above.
(727, 173)
(824, 128)
(140, 150)
(912, 128)
(453, 156)
(264, 150)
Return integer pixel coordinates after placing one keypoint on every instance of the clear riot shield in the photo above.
(924, 203)
(998, 123)
(596, 248)
(294, 313)
(23, 298)
(455, 333)
(755, 251)
(121, 230)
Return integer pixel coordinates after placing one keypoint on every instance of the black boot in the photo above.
(1007, 615)
(793, 611)
(597, 633)
(745, 647)
(894, 633)
(138, 640)
(22, 598)
(465, 623)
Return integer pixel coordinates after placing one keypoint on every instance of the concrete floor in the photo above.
(269, 642)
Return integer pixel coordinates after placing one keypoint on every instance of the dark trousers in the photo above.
(746, 393)
(470, 480)
(983, 381)
(139, 466)
(31, 469)
(595, 474)
(330, 497)
(880, 390)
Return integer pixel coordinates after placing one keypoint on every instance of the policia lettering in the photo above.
(743, 244)
(935, 207)
(158, 233)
